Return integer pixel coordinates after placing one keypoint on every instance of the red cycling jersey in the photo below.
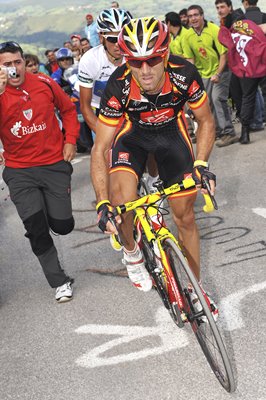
(29, 129)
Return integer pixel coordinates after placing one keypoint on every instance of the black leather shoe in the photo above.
(244, 138)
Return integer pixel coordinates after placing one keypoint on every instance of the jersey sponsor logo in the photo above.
(28, 114)
(194, 87)
(156, 117)
(181, 85)
(114, 103)
(122, 156)
(109, 114)
(197, 96)
(180, 77)
(19, 131)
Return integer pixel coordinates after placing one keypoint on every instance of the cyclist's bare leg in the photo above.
(123, 188)
(184, 217)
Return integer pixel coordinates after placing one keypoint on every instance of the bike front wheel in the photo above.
(207, 332)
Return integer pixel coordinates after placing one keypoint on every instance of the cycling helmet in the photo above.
(112, 20)
(143, 37)
(63, 52)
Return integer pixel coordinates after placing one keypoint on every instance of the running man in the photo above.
(37, 158)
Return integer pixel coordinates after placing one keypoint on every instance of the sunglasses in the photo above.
(65, 59)
(137, 63)
(111, 39)
(5, 45)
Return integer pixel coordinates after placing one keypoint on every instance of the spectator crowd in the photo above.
(234, 99)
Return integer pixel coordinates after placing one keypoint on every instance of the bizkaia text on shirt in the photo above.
(19, 131)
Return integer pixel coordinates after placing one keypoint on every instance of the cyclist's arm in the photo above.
(205, 131)
(85, 106)
(99, 167)
(205, 136)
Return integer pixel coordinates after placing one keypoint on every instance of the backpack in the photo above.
(246, 45)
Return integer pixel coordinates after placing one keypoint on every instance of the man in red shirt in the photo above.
(37, 158)
(51, 65)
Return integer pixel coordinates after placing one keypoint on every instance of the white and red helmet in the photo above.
(112, 20)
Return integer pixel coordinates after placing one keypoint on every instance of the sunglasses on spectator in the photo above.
(111, 39)
(151, 61)
(5, 45)
(65, 59)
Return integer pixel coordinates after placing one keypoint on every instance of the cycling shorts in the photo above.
(170, 145)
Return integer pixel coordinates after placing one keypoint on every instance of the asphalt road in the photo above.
(114, 342)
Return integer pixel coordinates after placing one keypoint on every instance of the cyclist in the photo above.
(149, 92)
(65, 60)
(98, 63)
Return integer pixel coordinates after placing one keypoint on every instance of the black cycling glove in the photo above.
(201, 173)
(105, 212)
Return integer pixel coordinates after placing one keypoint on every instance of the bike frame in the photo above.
(146, 214)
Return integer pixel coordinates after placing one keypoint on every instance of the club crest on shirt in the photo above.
(28, 114)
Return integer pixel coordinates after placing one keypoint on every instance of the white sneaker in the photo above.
(197, 305)
(136, 270)
(64, 293)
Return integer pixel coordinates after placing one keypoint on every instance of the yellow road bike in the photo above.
(173, 278)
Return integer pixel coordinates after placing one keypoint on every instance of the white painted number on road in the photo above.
(230, 306)
(260, 211)
(171, 339)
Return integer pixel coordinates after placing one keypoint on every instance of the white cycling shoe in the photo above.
(136, 270)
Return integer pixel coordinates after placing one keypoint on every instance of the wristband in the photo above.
(98, 205)
(201, 163)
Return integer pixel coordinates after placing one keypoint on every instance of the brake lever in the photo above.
(113, 222)
(205, 185)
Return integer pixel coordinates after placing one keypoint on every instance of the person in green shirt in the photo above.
(177, 32)
(202, 47)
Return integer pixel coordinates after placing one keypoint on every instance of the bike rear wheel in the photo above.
(207, 333)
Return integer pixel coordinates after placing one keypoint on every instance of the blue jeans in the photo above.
(257, 121)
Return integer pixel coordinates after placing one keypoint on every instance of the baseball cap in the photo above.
(75, 36)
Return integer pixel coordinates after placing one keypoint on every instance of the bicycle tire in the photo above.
(207, 333)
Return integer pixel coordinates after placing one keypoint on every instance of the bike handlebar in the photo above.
(210, 203)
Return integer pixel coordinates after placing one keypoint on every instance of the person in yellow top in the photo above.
(202, 47)
(177, 32)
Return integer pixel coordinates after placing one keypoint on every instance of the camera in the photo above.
(11, 71)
